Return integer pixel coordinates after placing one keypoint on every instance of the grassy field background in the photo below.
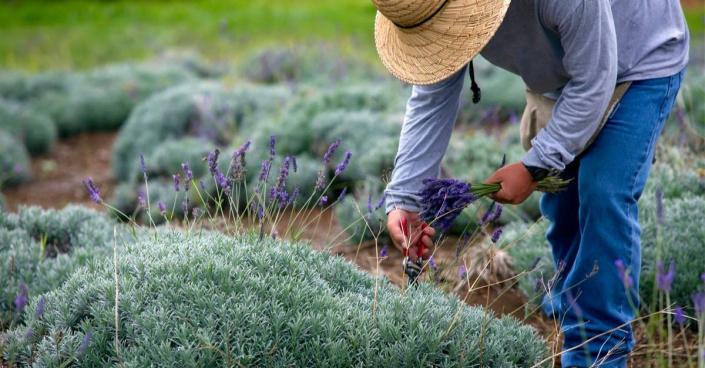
(36, 35)
(76, 34)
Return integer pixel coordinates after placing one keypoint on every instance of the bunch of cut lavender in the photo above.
(443, 200)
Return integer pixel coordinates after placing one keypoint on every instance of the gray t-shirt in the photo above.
(572, 50)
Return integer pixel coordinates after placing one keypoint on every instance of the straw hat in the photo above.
(425, 41)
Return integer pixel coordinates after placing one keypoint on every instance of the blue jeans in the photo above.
(596, 222)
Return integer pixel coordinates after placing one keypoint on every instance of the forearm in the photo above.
(428, 125)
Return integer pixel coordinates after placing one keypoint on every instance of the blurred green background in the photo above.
(36, 35)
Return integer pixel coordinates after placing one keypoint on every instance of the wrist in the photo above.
(537, 173)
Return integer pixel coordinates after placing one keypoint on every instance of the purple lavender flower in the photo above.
(21, 300)
(698, 303)
(324, 200)
(85, 343)
(343, 164)
(294, 165)
(264, 171)
(184, 207)
(442, 200)
(237, 168)
(331, 150)
(320, 181)
(463, 242)
(534, 264)
(341, 196)
(213, 160)
(220, 178)
(432, 263)
(279, 192)
(496, 234)
(380, 203)
(275, 234)
(260, 212)
(679, 316)
(628, 280)
(188, 176)
(659, 206)
(295, 195)
(92, 191)
(28, 334)
(489, 213)
(141, 202)
(463, 271)
(176, 178)
(383, 252)
(144, 166)
(665, 280)
(538, 284)
(272, 142)
(369, 203)
(40, 308)
(162, 208)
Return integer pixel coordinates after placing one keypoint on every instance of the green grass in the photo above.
(77, 34)
(36, 35)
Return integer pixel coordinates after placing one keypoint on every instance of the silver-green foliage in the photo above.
(213, 111)
(36, 130)
(14, 160)
(525, 243)
(43, 247)
(210, 300)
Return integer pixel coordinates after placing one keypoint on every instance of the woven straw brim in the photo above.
(438, 48)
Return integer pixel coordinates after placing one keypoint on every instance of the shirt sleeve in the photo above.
(588, 38)
(428, 124)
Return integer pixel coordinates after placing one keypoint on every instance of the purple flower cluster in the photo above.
(177, 179)
(92, 190)
(84, 344)
(534, 264)
(442, 200)
(627, 279)
(383, 252)
(188, 176)
(679, 316)
(162, 208)
(141, 202)
(22, 298)
(698, 303)
(664, 280)
(278, 191)
(40, 308)
(272, 143)
(463, 271)
(494, 211)
(432, 263)
(237, 168)
(294, 165)
(264, 171)
(213, 161)
(341, 196)
(496, 234)
(144, 166)
(343, 164)
(331, 150)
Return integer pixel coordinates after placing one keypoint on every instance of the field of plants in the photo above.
(224, 206)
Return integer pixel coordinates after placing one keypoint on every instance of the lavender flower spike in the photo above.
(92, 190)
(85, 343)
(463, 271)
(162, 208)
(144, 166)
(22, 299)
(294, 165)
(496, 234)
(665, 280)
(40, 308)
(331, 150)
(272, 142)
(213, 160)
(383, 252)
(698, 303)
(176, 178)
(344, 164)
(628, 280)
(679, 316)
(432, 263)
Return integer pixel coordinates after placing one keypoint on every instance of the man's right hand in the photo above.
(394, 225)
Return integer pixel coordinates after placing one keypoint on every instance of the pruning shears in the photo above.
(413, 270)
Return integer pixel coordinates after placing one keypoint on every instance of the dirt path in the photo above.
(58, 175)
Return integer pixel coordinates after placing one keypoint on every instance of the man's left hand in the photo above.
(516, 183)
